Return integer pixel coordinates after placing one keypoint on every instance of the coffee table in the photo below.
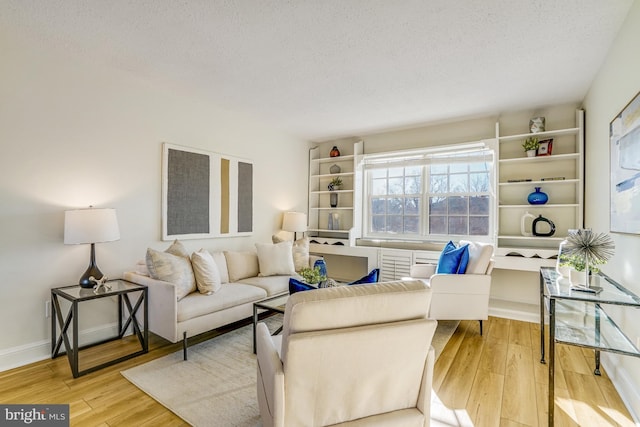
(270, 305)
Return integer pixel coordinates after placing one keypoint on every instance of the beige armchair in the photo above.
(460, 296)
(350, 356)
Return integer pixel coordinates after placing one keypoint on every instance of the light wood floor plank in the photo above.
(519, 387)
(485, 403)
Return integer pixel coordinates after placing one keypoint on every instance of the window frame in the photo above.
(424, 158)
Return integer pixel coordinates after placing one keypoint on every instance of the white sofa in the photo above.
(354, 356)
(175, 318)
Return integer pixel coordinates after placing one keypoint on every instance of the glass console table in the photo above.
(578, 318)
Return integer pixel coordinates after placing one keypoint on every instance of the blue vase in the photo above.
(323, 267)
(538, 197)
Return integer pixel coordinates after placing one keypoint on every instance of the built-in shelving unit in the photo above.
(341, 227)
(518, 176)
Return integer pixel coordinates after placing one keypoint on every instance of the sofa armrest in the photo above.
(424, 398)
(422, 271)
(468, 284)
(163, 305)
(270, 382)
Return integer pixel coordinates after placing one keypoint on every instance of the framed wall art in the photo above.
(624, 137)
(205, 194)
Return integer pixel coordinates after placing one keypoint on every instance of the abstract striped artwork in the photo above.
(205, 194)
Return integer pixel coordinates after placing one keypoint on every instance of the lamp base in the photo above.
(92, 271)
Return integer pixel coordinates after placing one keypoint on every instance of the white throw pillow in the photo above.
(221, 262)
(479, 256)
(206, 272)
(301, 254)
(241, 265)
(178, 249)
(275, 259)
(173, 269)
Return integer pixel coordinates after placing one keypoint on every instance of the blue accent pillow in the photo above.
(372, 277)
(298, 286)
(453, 260)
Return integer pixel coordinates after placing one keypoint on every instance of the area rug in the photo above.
(217, 384)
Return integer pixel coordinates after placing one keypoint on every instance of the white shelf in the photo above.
(347, 158)
(541, 159)
(328, 191)
(540, 135)
(331, 209)
(545, 206)
(326, 230)
(538, 182)
(541, 238)
(332, 175)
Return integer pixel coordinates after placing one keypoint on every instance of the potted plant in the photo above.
(531, 145)
(577, 268)
(312, 276)
(335, 183)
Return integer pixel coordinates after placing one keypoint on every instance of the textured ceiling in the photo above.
(328, 68)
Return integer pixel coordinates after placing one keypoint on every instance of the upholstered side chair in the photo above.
(349, 356)
(460, 296)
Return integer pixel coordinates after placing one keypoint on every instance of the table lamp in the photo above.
(82, 226)
(294, 222)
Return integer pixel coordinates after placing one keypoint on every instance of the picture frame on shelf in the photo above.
(545, 147)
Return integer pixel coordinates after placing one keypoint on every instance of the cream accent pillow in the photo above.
(479, 256)
(178, 249)
(206, 272)
(221, 262)
(301, 254)
(275, 259)
(241, 265)
(173, 269)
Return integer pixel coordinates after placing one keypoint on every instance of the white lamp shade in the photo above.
(90, 226)
(294, 221)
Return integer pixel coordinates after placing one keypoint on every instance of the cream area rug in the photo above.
(217, 384)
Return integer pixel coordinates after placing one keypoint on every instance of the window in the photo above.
(429, 193)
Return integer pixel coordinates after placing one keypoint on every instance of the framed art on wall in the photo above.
(624, 137)
(205, 194)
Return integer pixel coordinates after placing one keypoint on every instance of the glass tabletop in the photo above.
(276, 303)
(77, 292)
(612, 292)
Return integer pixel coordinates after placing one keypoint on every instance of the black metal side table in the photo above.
(121, 289)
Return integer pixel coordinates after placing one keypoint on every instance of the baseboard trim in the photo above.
(16, 357)
(629, 392)
(514, 310)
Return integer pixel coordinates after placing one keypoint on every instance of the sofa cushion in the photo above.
(241, 265)
(273, 285)
(221, 262)
(479, 256)
(177, 249)
(206, 272)
(173, 269)
(230, 295)
(275, 259)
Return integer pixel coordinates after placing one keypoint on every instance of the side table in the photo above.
(121, 289)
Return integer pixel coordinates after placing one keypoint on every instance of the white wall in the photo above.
(615, 85)
(75, 133)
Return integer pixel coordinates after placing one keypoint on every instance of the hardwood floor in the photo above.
(493, 380)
